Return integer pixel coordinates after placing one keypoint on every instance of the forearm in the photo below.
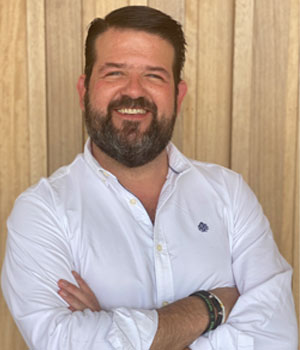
(183, 321)
(180, 323)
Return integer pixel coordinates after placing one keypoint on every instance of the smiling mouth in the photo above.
(132, 111)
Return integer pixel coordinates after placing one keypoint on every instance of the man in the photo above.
(143, 227)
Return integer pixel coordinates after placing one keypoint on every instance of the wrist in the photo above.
(215, 310)
(200, 305)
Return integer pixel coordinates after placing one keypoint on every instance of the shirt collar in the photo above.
(178, 163)
(93, 163)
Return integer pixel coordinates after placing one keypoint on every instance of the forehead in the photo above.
(132, 46)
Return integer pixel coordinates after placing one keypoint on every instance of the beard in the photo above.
(127, 144)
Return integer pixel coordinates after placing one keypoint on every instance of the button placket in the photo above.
(163, 271)
(133, 201)
(159, 247)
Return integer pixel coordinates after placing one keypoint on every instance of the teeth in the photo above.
(132, 111)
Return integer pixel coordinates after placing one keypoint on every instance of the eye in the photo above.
(114, 74)
(155, 76)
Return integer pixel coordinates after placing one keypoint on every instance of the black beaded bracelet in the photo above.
(210, 309)
(217, 305)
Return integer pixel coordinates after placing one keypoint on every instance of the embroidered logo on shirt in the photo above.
(203, 227)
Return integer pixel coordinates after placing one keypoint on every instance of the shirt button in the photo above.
(165, 303)
(105, 174)
(159, 247)
(133, 201)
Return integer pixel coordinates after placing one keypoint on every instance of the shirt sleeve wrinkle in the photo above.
(131, 324)
(38, 254)
(263, 278)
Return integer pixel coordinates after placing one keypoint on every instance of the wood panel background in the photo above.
(242, 109)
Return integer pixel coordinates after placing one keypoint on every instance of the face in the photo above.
(130, 105)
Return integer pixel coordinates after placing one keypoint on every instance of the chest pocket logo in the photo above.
(203, 227)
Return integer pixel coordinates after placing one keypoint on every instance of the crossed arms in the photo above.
(39, 254)
(180, 323)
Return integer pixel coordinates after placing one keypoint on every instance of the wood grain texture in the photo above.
(242, 82)
(14, 134)
(138, 2)
(290, 134)
(64, 62)
(37, 108)
(265, 104)
(296, 258)
(190, 105)
(296, 238)
(214, 79)
(273, 130)
(242, 108)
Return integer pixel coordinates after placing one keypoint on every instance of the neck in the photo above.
(153, 172)
(145, 182)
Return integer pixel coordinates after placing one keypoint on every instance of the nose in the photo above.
(134, 87)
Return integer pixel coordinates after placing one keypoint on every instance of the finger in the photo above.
(74, 303)
(81, 282)
(84, 296)
(71, 290)
(89, 294)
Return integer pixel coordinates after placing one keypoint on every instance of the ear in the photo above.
(81, 91)
(182, 90)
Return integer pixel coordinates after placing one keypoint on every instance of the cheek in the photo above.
(100, 96)
(166, 102)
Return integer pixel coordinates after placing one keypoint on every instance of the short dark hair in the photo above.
(141, 18)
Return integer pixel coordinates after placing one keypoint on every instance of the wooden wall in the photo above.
(242, 110)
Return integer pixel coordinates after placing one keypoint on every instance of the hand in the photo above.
(78, 298)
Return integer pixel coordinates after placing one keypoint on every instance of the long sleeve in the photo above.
(38, 254)
(264, 315)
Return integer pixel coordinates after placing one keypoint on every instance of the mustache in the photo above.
(128, 102)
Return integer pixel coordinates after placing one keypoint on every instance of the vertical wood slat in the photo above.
(14, 134)
(265, 114)
(296, 240)
(296, 260)
(37, 109)
(190, 105)
(215, 28)
(242, 81)
(64, 62)
(272, 131)
(289, 198)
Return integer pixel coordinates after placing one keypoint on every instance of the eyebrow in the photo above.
(111, 65)
(158, 69)
(123, 65)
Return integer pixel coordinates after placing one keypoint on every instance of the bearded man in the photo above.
(134, 246)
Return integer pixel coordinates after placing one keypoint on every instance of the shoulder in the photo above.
(215, 171)
(45, 198)
(212, 173)
(221, 179)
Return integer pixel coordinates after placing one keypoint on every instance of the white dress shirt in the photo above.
(209, 232)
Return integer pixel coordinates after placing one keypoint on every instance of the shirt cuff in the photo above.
(133, 329)
(224, 337)
(201, 344)
(236, 340)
